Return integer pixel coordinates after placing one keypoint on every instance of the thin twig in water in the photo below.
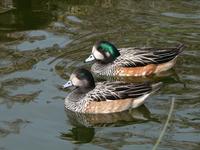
(165, 126)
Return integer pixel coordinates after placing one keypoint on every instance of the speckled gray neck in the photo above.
(75, 101)
(104, 69)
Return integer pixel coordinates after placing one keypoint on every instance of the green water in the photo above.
(43, 41)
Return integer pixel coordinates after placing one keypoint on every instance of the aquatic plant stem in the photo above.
(165, 126)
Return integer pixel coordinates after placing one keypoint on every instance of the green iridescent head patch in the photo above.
(108, 47)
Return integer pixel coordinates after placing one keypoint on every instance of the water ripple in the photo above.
(181, 15)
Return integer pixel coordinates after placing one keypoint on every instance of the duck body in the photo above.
(109, 97)
(134, 61)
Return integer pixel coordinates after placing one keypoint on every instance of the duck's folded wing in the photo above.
(143, 56)
(118, 90)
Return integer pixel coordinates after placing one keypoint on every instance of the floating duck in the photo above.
(131, 61)
(105, 97)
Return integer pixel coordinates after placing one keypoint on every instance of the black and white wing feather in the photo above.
(133, 57)
(118, 90)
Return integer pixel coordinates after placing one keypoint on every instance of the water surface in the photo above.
(43, 41)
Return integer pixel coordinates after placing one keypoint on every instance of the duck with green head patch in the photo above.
(132, 61)
(105, 97)
(103, 52)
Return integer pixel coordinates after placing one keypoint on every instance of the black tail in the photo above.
(156, 86)
(180, 48)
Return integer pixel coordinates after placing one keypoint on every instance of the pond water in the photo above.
(43, 41)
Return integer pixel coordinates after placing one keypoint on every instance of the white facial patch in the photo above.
(93, 49)
(75, 80)
(97, 54)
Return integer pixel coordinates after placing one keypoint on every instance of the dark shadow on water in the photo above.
(12, 127)
(79, 135)
(24, 16)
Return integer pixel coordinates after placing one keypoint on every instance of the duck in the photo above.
(131, 61)
(104, 97)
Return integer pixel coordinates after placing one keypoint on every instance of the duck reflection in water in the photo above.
(84, 125)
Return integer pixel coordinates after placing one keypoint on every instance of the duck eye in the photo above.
(90, 56)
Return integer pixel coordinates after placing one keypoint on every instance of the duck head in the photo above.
(81, 78)
(103, 52)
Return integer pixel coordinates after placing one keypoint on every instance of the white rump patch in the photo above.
(139, 101)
